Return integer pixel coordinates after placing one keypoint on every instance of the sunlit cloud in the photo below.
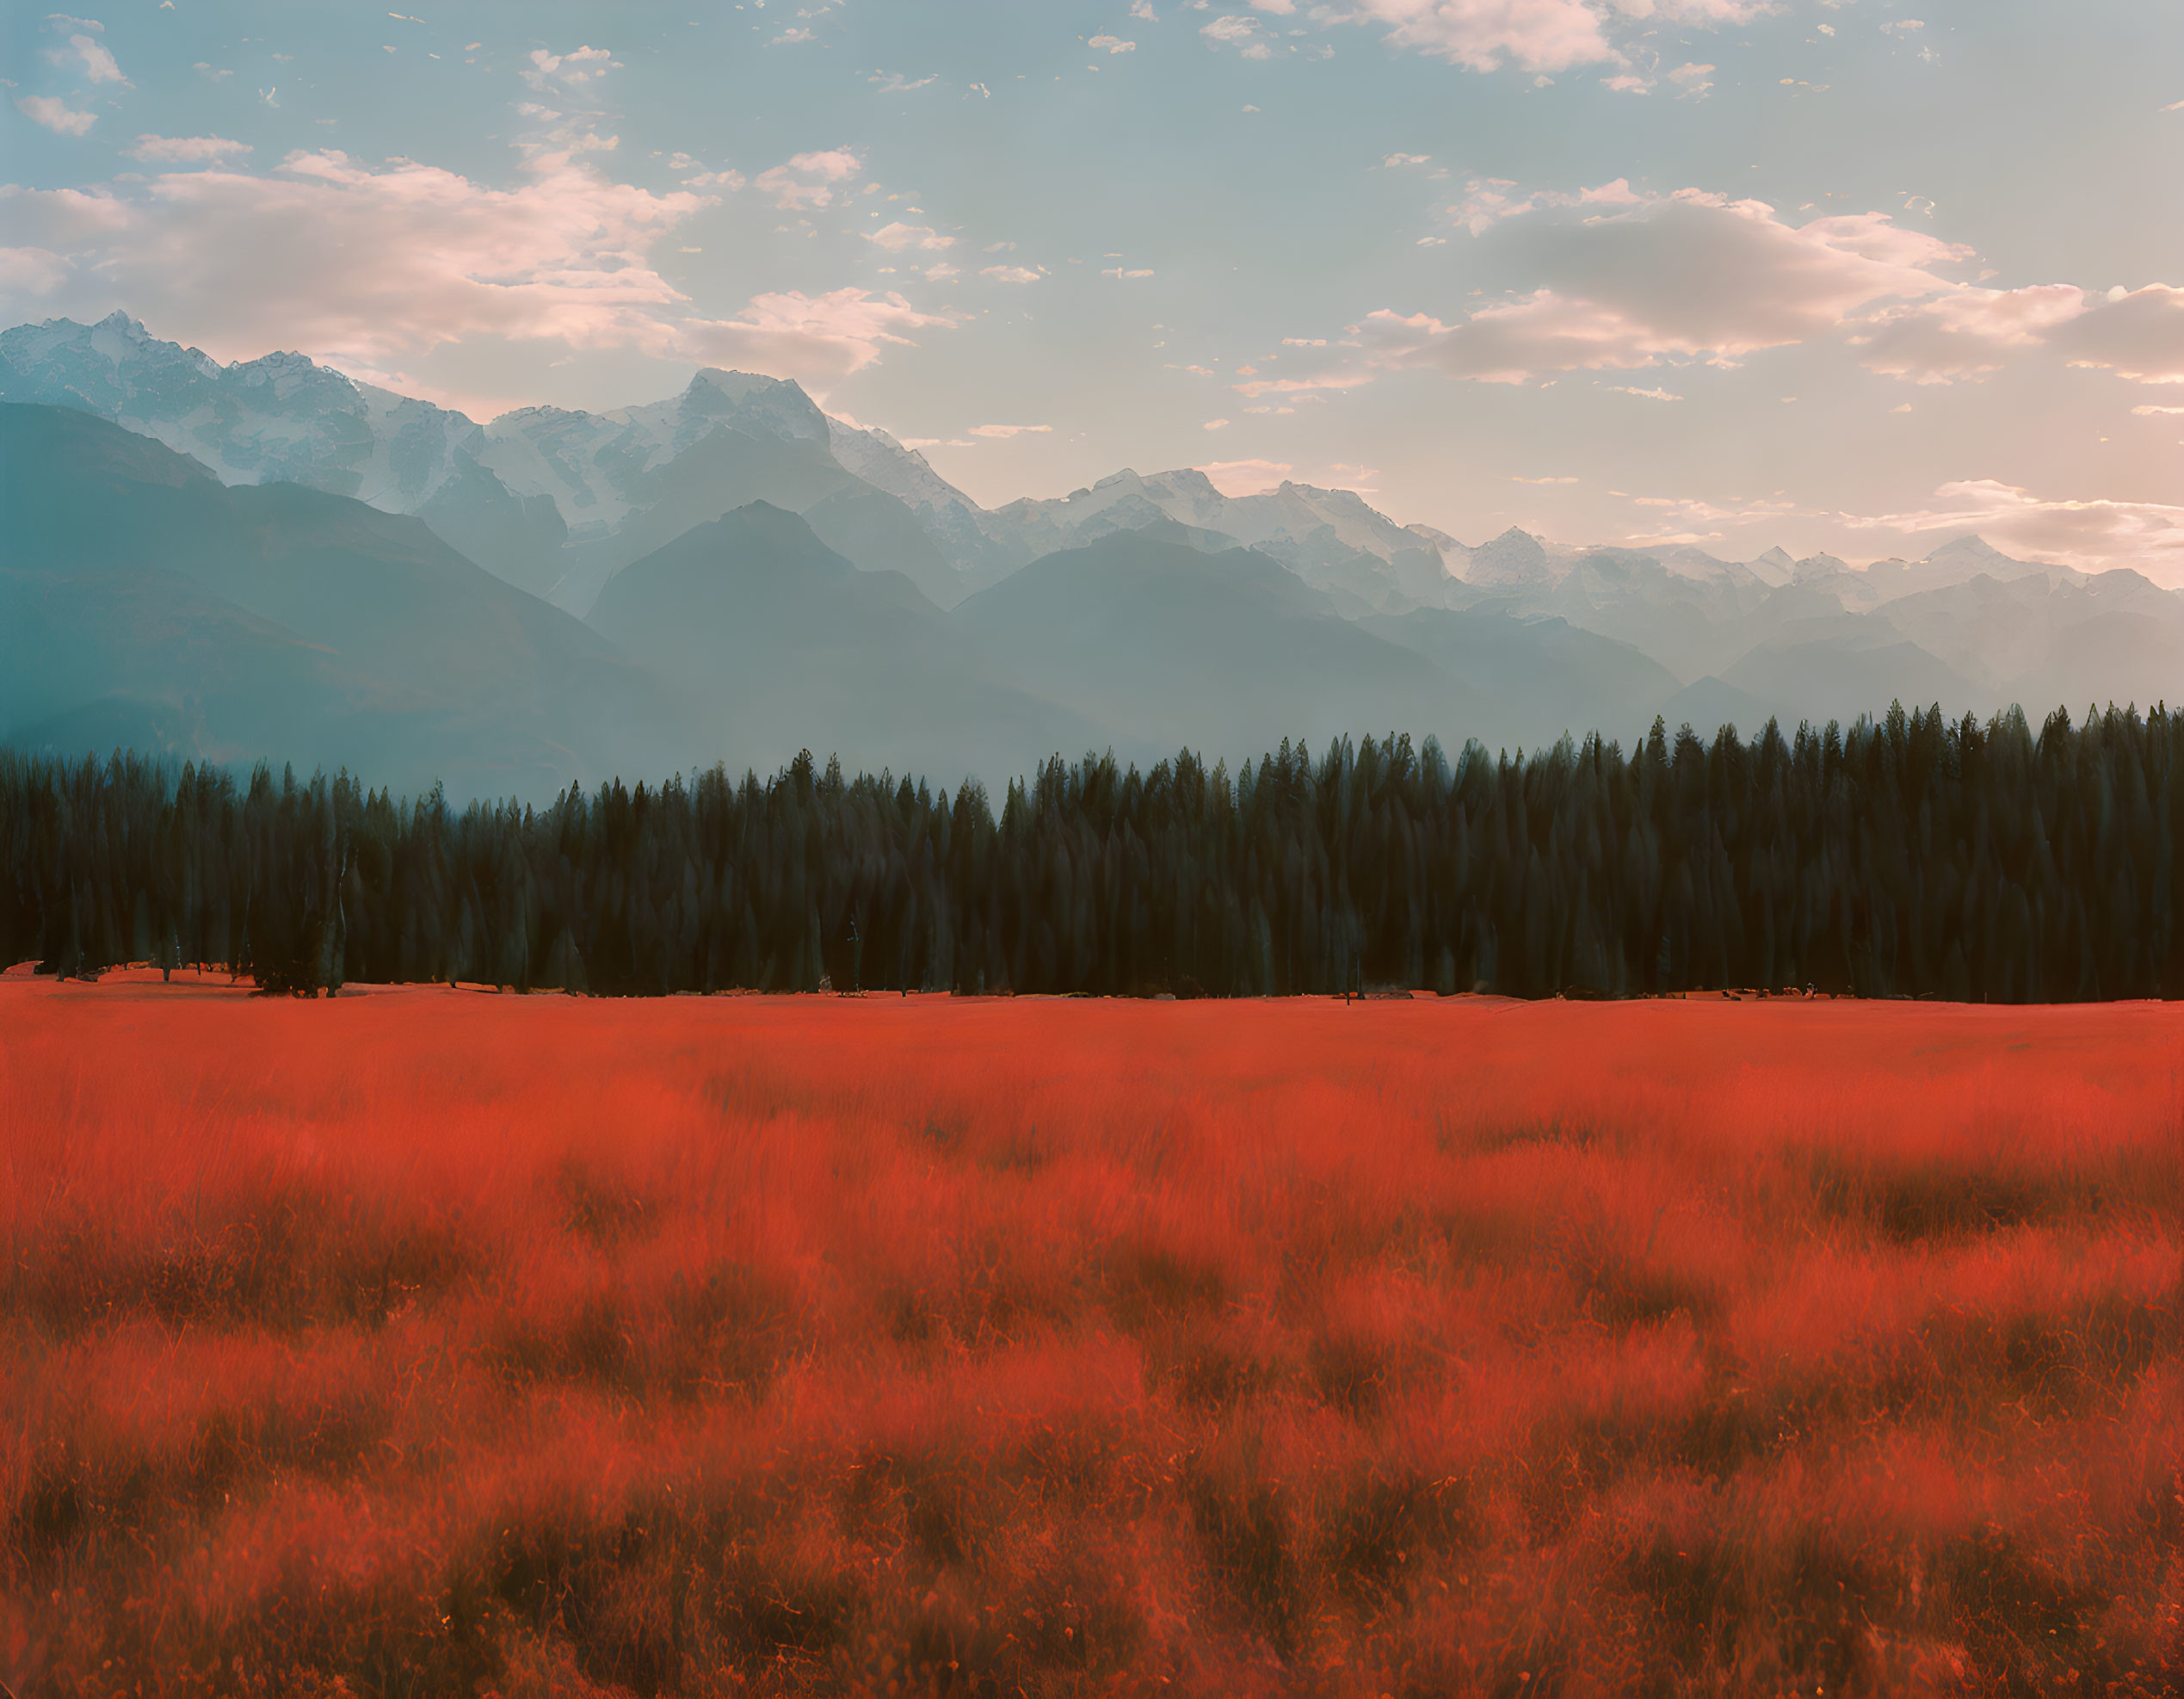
(56, 115)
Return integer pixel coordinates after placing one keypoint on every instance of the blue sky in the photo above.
(1854, 275)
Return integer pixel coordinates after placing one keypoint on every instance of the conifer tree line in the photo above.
(1911, 856)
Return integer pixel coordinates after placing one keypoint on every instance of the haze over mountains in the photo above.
(302, 567)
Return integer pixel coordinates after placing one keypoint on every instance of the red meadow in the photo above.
(434, 1341)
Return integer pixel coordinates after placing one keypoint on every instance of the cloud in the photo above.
(1238, 32)
(1010, 274)
(1396, 161)
(1693, 80)
(815, 338)
(1005, 430)
(1143, 9)
(1112, 44)
(1965, 334)
(66, 219)
(1644, 394)
(63, 20)
(2136, 334)
(571, 71)
(1215, 424)
(897, 237)
(56, 115)
(31, 273)
(808, 179)
(894, 82)
(367, 266)
(1626, 281)
(186, 150)
(789, 37)
(834, 164)
(98, 61)
(1245, 477)
(1334, 379)
(1537, 35)
(2092, 534)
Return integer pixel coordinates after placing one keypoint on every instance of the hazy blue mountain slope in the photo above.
(1228, 653)
(1840, 668)
(1535, 679)
(170, 586)
(777, 643)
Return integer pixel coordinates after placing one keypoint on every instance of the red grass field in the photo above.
(431, 1342)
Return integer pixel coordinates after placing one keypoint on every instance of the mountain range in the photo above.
(272, 560)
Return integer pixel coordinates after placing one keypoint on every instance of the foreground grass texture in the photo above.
(429, 1341)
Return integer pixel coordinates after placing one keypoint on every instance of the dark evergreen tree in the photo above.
(1910, 855)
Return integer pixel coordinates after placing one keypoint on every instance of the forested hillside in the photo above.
(1908, 856)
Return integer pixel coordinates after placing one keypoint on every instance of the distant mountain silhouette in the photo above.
(1227, 652)
(282, 622)
(297, 571)
(776, 643)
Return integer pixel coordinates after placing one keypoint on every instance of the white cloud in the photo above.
(1245, 477)
(1627, 279)
(63, 20)
(186, 150)
(2086, 534)
(572, 70)
(808, 179)
(1645, 394)
(56, 115)
(1233, 30)
(1395, 161)
(816, 338)
(1008, 431)
(1112, 44)
(788, 37)
(1694, 80)
(897, 237)
(834, 164)
(1143, 9)
(1965, 334)
(1215, 424)
(1538, 36)
(1010, 274)
(1484, 34)
(366, 268)
(64, 219)
(31, 273)
(894, 82)
(98, 61)
(2136, 334)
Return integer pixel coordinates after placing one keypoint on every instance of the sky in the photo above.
(1857, 275)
